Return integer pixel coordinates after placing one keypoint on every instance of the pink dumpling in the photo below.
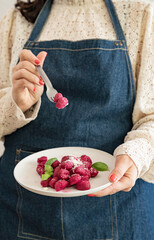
(75, 178)
(42, 160)
(83, 185)
(94, 172)
(63, 174)
(87, 164)
(60, 185)
(67, 165)
(65, 158)
(45, 183)
(40, 170)
(80, 170)
(55, 164)
(61, 103)
(86, 177)
(86, 158)
(56, 171)
(57, 97)
(53, 181)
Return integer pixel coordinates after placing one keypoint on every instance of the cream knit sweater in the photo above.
(86, 19)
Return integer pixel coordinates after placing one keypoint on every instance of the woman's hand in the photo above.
(27, 86)
(123, 177)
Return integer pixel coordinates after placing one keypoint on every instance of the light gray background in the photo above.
(7, 4)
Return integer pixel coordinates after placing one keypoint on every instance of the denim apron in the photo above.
(96, 77)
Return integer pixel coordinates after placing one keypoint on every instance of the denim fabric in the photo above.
(96, 77)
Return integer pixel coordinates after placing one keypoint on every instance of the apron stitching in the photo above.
(18, 202)
(111, 214)
(16, 161)
(20, 205)
(115, 207)
(104, 239)
(21, 222)
(116, 40)
(28, 238)
(131, 81)
(78, 50)
(38, 236)
(26, 151)
(62, 225)
(25, 237)
(18, 210)
(28, 44)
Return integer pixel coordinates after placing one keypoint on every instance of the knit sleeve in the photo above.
(11, 116)
(139, 142)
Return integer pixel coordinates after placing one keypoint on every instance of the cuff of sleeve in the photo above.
(140, 151)
(30, 114)
(12, 117)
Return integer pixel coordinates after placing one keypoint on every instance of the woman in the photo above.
(70, 40)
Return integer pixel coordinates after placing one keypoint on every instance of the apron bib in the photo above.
(96, 77)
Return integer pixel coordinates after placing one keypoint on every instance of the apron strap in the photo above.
(115, 20)
(40, 21)
(42, 17)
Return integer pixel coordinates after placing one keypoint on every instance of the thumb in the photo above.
(121, 166)
(41, 56)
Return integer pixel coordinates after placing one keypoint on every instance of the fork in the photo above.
(51, 91)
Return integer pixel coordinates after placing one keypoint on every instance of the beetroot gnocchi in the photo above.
(70, 171)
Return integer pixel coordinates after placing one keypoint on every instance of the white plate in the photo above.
(26, 175)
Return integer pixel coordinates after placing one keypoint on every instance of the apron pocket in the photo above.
(39, 216)
(89, 218)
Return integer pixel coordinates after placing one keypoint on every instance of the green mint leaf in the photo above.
(100, 166)
(45, 176)
(48, 169)
(50, 161)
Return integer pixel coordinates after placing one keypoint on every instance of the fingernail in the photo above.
(34, 89)
(41, 82)
(37, 61)
(113, 178)
(91, 195)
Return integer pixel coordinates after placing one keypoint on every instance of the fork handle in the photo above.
(44, 76)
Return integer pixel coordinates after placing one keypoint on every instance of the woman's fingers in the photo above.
(113, 188)
(123, 162)
(124, 184)
(41, 56)
(27, 66)
(123, 176)
(24, 84)
(26, 80)
(27, 55)
(25, 69)
(25, 74)
(28, 61)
